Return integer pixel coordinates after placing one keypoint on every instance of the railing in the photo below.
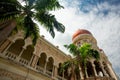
(99, 78)
(60, 78)
(23, 61)
(39, 68)
(13, 57)
(10, 55)
(49, 73)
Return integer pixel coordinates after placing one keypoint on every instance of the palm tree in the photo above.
(86, 52)
(82, 55)
(33, 10)
(71, 70)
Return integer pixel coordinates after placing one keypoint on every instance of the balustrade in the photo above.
(13, 57)
(10, 55)
(60, 78)
(39, 69)
(49, 73)
(23, 61)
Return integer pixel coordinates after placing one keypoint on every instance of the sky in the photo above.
(100, 17)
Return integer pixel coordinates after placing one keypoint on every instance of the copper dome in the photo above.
(79, 32)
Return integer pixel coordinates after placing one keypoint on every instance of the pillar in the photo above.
(111, 72)
(31, 60)
(34, 61)
(86, 72)
(18, 58)
(6, 46)
(63, 75)
(93, 65)
(55, 71)
(103, 70)
(45, 66)
(81, 74)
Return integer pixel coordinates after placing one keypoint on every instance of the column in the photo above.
(35, 61)
(55, 71)
(86, 72)
(81, 74)
(45, 66)
(111, 72)
(31, 60)
(63, 75)
(102, 67)
(4, 52)
(4, 45)
(18, 58)
(94, 69)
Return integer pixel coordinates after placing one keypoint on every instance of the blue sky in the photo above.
(100, 17)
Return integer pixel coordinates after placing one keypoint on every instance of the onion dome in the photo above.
(79, 32)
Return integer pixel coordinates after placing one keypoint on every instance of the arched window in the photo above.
(90, 71)
(42, 60)
(98, 68)
(50, 64)
(16, 47)
(28, 52)
(106, 69)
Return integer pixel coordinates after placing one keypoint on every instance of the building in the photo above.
(19, 60)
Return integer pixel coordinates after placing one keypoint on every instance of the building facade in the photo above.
(20, 60)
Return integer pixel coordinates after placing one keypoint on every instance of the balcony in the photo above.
(38, 69)
(11, 56)
(23, 61)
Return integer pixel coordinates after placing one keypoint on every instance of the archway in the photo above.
(28, 52)
(90, 70)
(50, 64)
(98, 69)
(16, 47)
(106, 69)
(42, 60)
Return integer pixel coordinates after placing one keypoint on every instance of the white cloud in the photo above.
(104, 28)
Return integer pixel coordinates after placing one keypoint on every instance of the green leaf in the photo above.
(49, 22)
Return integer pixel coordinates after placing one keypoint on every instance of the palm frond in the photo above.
(65, 66)
(9, 9)
(31, 29)
(73, 49)
(47, 5)
(94, 53)
(49, 22)
(31, 2)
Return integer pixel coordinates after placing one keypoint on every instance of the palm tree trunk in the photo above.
(6, 28)
(73, 77)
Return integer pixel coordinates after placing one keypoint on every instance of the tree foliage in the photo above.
(33, 10)
(82, 54)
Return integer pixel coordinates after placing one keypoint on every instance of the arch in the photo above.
(16, 37)
(106, 69)
(28, 52)
(50, 64)
(98, 68)
(16, 47)
(42, 60)
(90, 70)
